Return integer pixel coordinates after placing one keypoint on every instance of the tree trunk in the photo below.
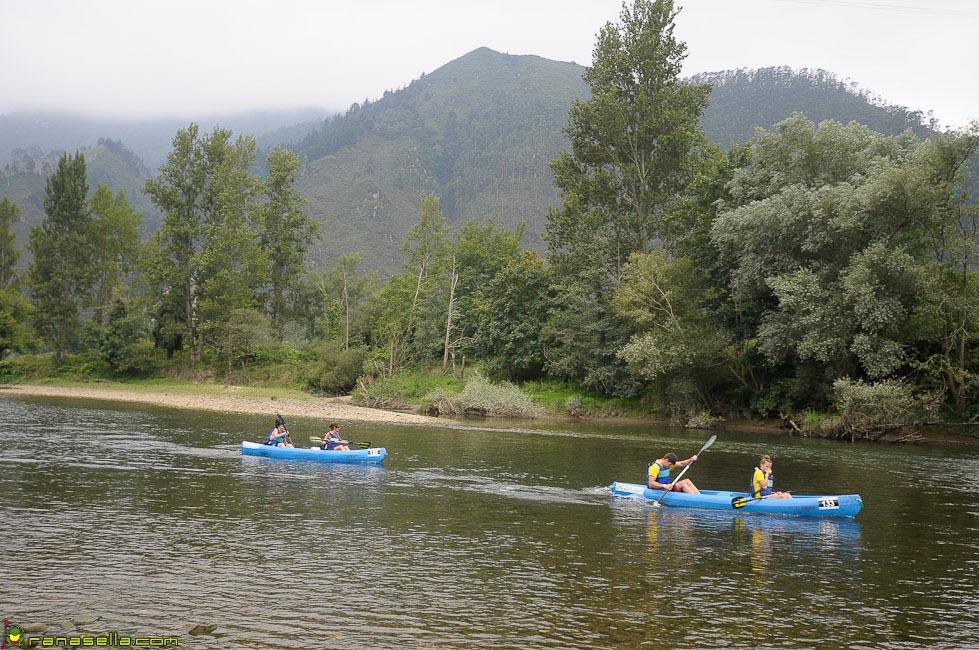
(448, 316)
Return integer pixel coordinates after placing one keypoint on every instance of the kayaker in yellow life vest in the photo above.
(658, 474)
(763, 481)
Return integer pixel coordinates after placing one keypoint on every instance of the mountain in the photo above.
(743, 100)
(48, 134)
(108, 163)
(480, 131)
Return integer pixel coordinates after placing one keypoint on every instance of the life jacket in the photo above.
(330, 440)
(662, 473)
(768, 489)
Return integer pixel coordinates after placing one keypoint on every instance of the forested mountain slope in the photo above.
(480, 131)
(108, 163)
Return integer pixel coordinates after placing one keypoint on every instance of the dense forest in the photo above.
(822, 272)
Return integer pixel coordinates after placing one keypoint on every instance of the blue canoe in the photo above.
(372, 455)
(843, 505)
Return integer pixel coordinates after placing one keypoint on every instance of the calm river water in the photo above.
(141, 520)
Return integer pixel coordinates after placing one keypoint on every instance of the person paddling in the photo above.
(763, 481)
(332, 440)
(658, 474)
(278, 436)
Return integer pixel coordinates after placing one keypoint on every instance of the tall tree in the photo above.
(286, 233)
(9, 215)
(232, 265)
(115, 241)
(60, 273)
(634, 142)
(187, 190)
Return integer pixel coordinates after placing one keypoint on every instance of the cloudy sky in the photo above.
(187, 58)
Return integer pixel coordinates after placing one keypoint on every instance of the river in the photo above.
(149, 521)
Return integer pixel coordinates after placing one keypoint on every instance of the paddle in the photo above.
(684, 471)
(362, 445)
(740, 502)
(281, 420)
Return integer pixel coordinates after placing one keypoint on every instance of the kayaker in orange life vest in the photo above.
(658, 474)
(763, 483)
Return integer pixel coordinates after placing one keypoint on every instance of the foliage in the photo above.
(870, 410)
(511, 309)
(120, 337)
(830, 236)
(9, 215)
(285, 234)
(15, 318)
(61, 271)
(115, 241)
(440, 403)
(634, 142)
(337, 368)
(503, 400)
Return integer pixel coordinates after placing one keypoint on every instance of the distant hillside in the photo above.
(480, 131)
(743, 100)
(109, 163)
(51, 133)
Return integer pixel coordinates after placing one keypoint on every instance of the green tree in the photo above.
(831, 240)
(9, 215)
(344, 292)
(120, 336)
(61, 271)
(675, 346)
(634, 143)
(15, 318)
(185, 192)
(115, 241)
(286, 234)
(511, 311)
(428, 258)
(232, 265)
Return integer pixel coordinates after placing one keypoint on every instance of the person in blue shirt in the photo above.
(279, 436)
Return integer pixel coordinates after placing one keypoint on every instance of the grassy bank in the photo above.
(418, 388)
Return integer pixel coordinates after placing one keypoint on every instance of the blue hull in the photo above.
(844, 505)
(373, 455)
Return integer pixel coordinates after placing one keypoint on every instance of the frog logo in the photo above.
(12, 634)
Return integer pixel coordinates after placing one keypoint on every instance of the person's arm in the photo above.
(684, 463)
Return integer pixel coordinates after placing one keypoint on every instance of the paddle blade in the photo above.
(707, 444)
(738, 502)
(315, 439)
(364, 445)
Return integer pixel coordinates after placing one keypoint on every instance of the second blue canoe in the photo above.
(843, 505)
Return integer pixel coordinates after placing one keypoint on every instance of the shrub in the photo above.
(573, 407)
(337, 370)
(439, 403)
(702, 420)
(870, 410)
(504, 399)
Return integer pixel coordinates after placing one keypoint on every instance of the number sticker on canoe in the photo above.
(374, 452)
(829, 503)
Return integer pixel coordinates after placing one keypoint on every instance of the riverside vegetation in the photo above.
(821, 273)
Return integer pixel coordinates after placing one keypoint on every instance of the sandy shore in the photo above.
(313, 407)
